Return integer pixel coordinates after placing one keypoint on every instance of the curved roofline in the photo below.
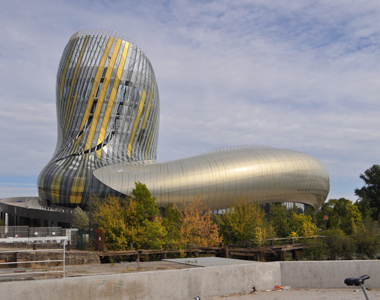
(261, 174)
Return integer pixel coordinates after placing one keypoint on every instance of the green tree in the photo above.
(80, 219)
(341, 214)
(301, 225)
(172, 224)
(279, 217)
(340, 245)
(135, 219)
(146, 204)
(370, 192)
(243, 221)
(367, 242)
(364, 206)
(311, 212)
(153, 234)
(109, 216)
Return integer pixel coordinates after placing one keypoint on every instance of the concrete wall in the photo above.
(189, 283)
(170, 284)
(328, 274)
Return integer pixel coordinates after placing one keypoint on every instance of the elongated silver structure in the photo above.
(261, 174)
(108, 118)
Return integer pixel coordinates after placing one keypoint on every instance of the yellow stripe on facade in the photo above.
(115, 87)
(150, 136)
(55, 185)
(93, 90)
(149, 106)
(102, 95)
(79, 181)
(64, 74)
(74, 78)
(136, 124)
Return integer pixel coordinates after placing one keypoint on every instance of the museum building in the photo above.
(108, 112)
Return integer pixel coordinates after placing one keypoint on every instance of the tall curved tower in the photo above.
(107, 112)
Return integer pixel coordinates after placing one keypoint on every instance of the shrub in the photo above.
(339, 244)
(368, 245)
(317, 250)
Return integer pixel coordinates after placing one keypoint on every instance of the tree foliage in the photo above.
(370, 192)
(243, 221)
(80, 219)
(110, 217)
(172, 224)
(340, 214)
(302, 225)
(135, 220)
(288, 222)
(196, 226)
(146, 204)
(280, 219)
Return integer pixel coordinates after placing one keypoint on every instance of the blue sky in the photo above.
(301, 75)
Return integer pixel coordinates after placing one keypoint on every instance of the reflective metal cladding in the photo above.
(108, 117)
(261, 174)
(107, 110)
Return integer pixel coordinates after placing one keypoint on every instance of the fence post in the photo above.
(226, 251)
(283, 255)
(294, 254)
(64, 258)
(138, 260)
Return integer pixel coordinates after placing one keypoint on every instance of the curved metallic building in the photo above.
(108, 116)
(107, 110)
(261, 174)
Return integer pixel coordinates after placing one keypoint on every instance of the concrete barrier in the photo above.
(169, 285)
(189, 283)
(328, 274)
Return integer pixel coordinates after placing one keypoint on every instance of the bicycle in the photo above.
(358, 281)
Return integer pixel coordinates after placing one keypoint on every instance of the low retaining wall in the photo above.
(72, 258)
(170, 285)
(189, 283)
(328, 274)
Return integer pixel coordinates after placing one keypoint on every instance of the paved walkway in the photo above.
(298, 294)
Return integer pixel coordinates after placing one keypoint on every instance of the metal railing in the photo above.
(57, 239)
(26, 231)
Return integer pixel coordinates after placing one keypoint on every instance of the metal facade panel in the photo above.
(283, 181)
(100, 80)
